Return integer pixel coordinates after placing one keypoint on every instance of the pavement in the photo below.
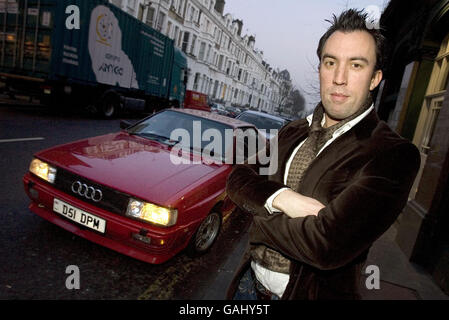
(399, 278)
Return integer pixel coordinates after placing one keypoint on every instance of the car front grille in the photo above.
(112, 200)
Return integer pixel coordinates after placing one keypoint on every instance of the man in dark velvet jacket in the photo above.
(343, 178)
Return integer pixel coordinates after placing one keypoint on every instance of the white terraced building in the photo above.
(222, 62)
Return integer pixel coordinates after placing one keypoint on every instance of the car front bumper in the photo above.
(124, 235)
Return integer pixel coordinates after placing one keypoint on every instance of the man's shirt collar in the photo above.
(348, 125)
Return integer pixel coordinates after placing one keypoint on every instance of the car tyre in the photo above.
(206, 234)
(109, 106)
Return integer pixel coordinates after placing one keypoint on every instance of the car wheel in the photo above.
(207, 233)
(109, 106)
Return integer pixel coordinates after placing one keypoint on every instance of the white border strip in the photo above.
(21, 139)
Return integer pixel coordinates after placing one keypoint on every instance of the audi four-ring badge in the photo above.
(129, 191)
(86, 191)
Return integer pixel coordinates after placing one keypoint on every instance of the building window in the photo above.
(185, 41)
(228, 69)
(217, 39)
(195, 82)
(202, 49)
(179, 40)
(434, 110)
(209, 47)
(434, 98)
(140, 13)
(220, 62)
(203, 82)
(207, 26)
(214, 94)
(150, 16)
(160, 21)
(430, 110)
(180, 3)
(175, 36)
(169, 25)
(132, 5)
(192, 14)
(192, 47)
(199, 17)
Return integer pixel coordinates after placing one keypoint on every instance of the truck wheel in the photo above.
(109, 106)
(207, 233)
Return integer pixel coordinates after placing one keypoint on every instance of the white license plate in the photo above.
(82, 217)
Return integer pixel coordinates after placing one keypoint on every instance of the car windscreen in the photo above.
(186, 131)
(261, 122)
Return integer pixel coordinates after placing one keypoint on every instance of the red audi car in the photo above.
(142, 191)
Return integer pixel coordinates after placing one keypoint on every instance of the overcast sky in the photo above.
(288, 31)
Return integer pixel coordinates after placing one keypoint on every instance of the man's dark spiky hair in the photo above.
(355, 20)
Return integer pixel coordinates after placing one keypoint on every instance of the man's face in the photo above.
(347, 73)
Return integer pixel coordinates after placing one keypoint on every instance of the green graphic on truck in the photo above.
(110, 63)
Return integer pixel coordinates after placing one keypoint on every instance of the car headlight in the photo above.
(152, 213)
(43, 170)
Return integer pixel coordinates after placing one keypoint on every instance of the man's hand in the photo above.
(296, 205)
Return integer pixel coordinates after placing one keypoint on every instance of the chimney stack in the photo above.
(219, 6)
(240, 26)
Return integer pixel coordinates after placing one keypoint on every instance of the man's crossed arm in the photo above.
(296, 205)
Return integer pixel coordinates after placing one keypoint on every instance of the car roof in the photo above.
(234, 123)
(263, 114)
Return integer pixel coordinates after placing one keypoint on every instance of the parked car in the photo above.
(218, 108)
(123, 190)
(232, 111)
(262, 120)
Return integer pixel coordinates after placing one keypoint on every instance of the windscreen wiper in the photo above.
(155, 136)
